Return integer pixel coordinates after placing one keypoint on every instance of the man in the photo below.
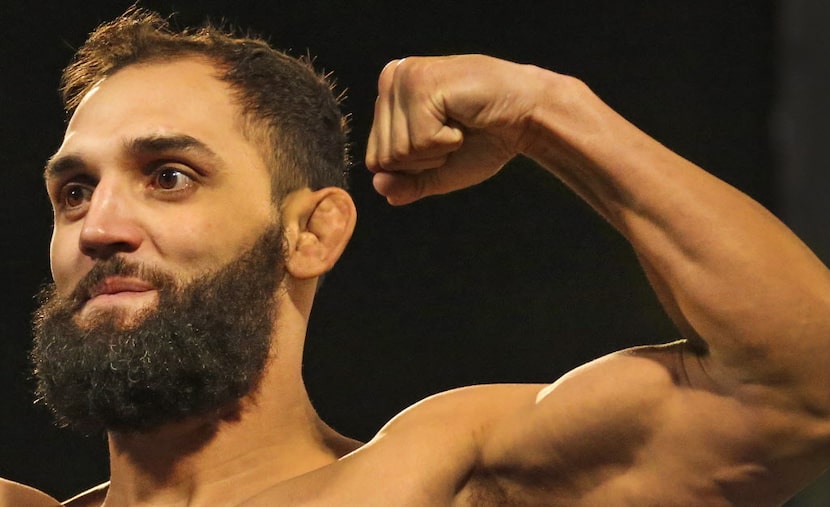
(185, 218)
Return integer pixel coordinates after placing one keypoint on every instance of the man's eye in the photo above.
(169, 178)
(74, 196)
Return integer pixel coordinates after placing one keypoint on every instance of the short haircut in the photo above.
(287, 106)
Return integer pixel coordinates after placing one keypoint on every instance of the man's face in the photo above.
(156, 189)
(154, 167)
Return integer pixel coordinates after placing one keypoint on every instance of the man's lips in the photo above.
(118, 285)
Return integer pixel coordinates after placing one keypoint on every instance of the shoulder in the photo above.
(454, 422)
(477, 405)
(434, 446)
(630, 385)
(487, 440)
(92, 497)
(598, 414)
(13, 494)
(423, 456)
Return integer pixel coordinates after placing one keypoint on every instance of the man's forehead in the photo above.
(178, 81)
(180, 103)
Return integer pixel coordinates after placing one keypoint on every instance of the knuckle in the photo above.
(386, 74)
(386, 161)
(421, 141)
(399, 152)
(414, 72)
(400, 148)
(371, 161)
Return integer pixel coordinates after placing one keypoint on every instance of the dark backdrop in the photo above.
(514, 280)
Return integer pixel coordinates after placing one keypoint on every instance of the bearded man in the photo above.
(198, 200)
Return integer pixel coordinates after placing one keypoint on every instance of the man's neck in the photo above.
(206, 461)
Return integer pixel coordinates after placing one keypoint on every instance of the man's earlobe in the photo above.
(318, 226)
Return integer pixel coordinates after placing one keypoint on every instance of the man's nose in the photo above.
(110, 224)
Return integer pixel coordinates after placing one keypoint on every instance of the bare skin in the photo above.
(13, 493)
(738, 413)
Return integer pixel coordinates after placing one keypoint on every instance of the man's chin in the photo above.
(122, 315)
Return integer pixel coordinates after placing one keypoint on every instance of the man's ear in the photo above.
(318, 225)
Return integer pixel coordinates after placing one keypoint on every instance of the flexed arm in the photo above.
(751, 298)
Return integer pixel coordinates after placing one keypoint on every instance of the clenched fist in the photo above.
(446, 123)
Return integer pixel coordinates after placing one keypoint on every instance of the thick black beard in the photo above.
(201, 349)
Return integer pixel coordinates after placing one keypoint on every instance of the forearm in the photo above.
(728, 271)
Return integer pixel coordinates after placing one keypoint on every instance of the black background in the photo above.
(514, 280)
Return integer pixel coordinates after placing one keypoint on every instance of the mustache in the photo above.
(118, 266)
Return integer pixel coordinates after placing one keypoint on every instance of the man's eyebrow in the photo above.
(61, 164)
(147, 145)
(161, 143)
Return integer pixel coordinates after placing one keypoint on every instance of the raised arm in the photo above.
(735, 279)
(748, 295)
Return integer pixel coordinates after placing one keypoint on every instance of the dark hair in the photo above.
(287, 106)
